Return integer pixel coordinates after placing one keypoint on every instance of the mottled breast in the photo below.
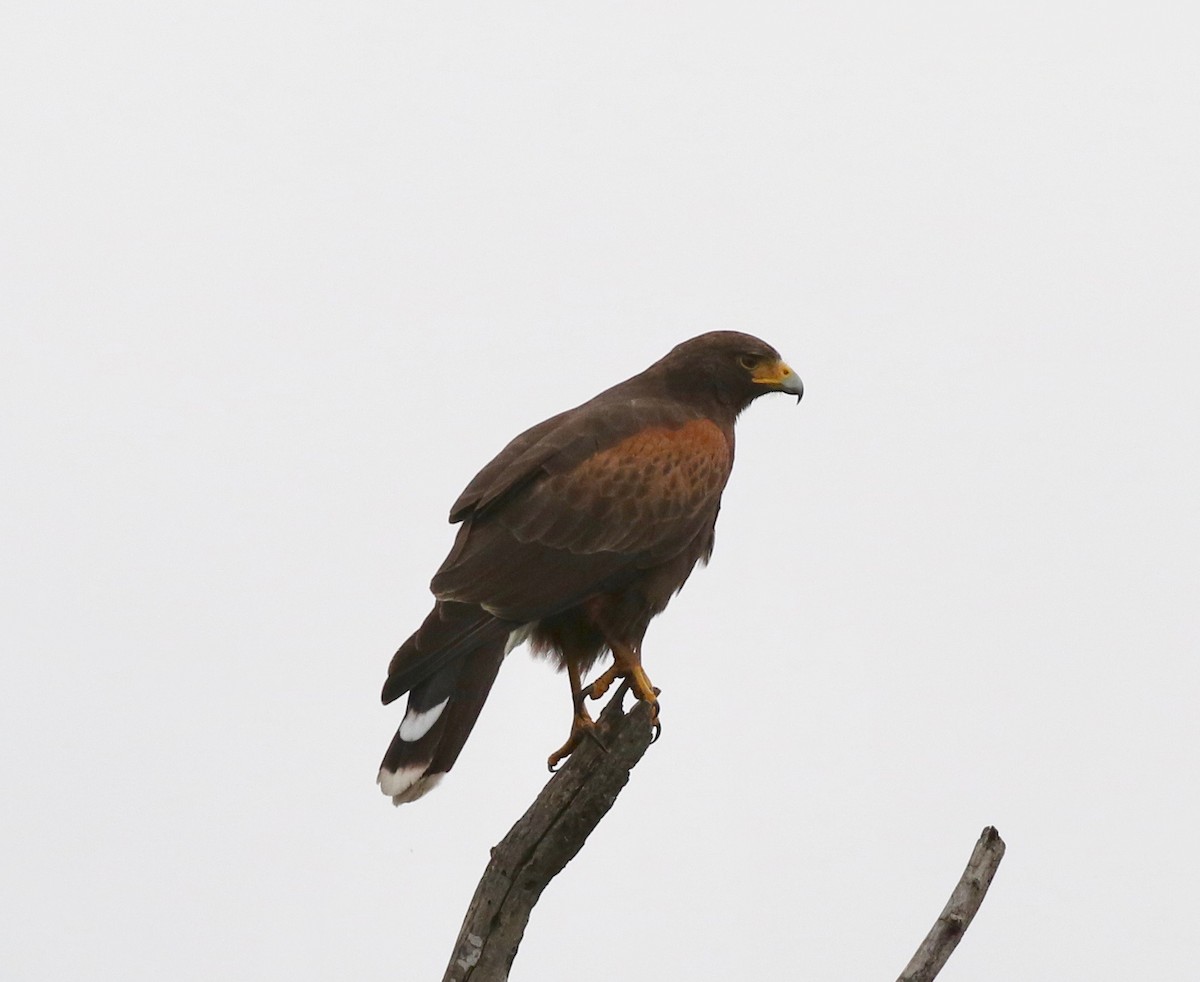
(654, 488)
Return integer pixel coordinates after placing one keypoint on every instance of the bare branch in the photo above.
(546, 838)
(949, 928)
(571, 805)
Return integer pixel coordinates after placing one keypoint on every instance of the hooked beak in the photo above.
(780, 377)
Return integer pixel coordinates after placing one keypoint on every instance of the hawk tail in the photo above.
(456, 655)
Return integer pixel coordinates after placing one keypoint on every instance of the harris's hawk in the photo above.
(573, 538)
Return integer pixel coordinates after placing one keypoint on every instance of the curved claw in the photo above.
(657, 732)
(555, 760)
(582, 728)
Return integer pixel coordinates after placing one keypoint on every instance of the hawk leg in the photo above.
(582, 725)
(627, 665)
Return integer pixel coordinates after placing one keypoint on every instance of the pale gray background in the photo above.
(278, 278)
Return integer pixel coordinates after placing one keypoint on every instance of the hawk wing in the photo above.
(582, 502)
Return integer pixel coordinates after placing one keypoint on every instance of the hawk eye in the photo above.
(747, 361)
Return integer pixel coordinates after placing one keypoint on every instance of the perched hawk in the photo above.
(574, 538)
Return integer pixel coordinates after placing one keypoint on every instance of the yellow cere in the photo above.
(771, 372)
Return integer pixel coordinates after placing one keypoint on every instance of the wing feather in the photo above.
(582, 502)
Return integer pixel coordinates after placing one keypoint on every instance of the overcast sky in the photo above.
(277, 279)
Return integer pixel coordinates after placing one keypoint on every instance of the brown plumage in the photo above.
(574, 537)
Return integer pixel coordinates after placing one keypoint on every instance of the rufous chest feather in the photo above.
(676, 468)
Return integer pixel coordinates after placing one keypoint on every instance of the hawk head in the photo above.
(732, 367)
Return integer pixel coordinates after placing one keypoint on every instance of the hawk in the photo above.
(573, 538)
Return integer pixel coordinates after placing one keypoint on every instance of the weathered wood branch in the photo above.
(546, 838)
(571, 805)
(949, 928)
